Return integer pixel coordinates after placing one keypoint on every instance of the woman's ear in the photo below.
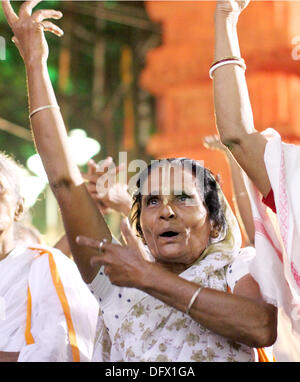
(214, 232)
(19, 209)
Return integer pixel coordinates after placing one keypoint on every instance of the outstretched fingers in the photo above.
(213, 142)
(128, 233)
(27, 7)
(43, 14)
(50, 27)
(10, 14)
(38, 17)
(87, 242)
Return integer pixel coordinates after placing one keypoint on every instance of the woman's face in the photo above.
(10, 208)
(174, 220)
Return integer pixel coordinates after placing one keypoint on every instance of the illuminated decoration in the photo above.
(82, 148)
(35, 164)
(31, 187)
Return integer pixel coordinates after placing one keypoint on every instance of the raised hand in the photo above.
(28, 29)
(231, 7)
(213, 142)
(124, 265)
(116, 197)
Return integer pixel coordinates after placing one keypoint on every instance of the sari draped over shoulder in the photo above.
(276, 266)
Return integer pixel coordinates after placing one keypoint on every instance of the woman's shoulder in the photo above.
(52, 258)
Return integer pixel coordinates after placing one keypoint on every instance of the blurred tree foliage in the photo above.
(88, 100)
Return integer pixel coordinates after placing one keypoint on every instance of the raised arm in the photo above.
(241, 198)
(77, 207)
(233, 111)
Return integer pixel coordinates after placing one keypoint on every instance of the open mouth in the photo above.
(169, 234)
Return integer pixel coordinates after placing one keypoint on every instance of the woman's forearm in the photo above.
(79, 213)
(238, 318)
(241, 199)
(9, 356)
(232, 104)
(234, 117)
(48, 128)
(226, 38)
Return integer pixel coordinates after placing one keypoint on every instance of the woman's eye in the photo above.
(2, 189)
(152, 201)
(182, 198)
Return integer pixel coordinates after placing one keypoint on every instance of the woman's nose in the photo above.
(167, 212)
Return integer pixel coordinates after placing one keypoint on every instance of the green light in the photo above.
(53, 73)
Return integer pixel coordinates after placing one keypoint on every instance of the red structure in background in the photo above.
(177, 74)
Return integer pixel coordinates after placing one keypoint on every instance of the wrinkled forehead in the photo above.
(170, 179)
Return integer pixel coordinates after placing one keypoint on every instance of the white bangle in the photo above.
(192, 300)
(42, 108)
(219, 64)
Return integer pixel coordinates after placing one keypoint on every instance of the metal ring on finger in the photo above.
(102, 242)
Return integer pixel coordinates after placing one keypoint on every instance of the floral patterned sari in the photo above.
(152, 331)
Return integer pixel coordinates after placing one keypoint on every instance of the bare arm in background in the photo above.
(241, 198)
(233, 111)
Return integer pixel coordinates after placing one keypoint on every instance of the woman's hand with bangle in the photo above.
(28, 29)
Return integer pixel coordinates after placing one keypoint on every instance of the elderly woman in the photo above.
(47, 312)
(272, 166)
(169, 301)
(190, 231)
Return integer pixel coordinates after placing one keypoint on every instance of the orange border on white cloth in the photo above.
(64, 303)
(28, 336)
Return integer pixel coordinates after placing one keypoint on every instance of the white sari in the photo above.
(154, 332)
(142, 328)
(48, 313)
(277, 241)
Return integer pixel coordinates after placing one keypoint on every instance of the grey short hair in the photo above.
(12, 172)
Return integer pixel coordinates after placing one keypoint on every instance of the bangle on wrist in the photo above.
(226, 61)
(226, 58)
(42, 108)
(192, 300)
